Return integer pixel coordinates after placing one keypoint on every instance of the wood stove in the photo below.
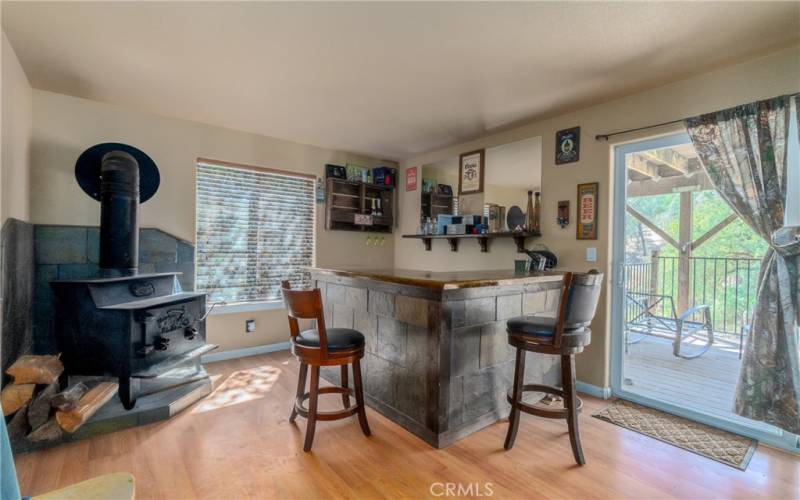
(141, 328)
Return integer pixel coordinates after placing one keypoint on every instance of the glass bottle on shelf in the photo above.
(529, 213)
(537, 212)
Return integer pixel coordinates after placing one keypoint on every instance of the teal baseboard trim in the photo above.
(247, 351)
(593, 390)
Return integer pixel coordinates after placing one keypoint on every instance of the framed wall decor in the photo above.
(470, 172)
(568, 144)
(411, 179)
(587, 211)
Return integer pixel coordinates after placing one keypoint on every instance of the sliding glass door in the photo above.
(685, 276)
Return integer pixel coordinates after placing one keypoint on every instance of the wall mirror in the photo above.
(510, 171)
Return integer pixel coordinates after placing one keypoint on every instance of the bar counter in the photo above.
(437, 359)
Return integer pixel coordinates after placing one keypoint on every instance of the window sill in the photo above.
(247, 307)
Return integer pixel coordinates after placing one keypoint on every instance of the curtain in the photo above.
(744, 151)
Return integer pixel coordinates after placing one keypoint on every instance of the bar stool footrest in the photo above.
(541, 410)
(327, 415)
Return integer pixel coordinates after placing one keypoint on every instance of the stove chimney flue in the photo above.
(120, 177)
(119, 214)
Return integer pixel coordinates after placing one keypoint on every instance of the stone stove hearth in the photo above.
(35, 255)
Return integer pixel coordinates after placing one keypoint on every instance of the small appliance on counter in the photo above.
(541, 258)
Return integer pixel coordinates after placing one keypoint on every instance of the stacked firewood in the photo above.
(35, 407)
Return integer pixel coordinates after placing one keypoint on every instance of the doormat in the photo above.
(703, 440)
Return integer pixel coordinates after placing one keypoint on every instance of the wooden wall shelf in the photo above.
(345, 199)
(483, 239)
(434, 204)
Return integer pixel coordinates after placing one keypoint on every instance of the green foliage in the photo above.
(728, 286)
(735, 240)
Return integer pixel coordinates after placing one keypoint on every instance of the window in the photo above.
(255, 227)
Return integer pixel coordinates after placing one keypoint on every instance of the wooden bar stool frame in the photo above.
(307, 304)
(564, 345)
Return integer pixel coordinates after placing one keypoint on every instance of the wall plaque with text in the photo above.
(587, 211)
(362, 220)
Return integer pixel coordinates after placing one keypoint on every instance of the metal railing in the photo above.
(727, 284)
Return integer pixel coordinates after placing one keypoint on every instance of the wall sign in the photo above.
(568, 142)
(362, 219)
(471, 166)
(587, 211)
(411, 179)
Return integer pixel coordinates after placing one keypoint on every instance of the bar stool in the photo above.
(565, 335)
(323, 347)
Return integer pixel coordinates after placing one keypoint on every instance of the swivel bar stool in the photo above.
(323, 347)
(565, 335)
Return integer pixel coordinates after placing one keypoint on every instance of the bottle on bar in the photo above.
(537, 211)
(529, 221)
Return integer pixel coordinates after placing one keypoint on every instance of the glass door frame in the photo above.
(776, 437)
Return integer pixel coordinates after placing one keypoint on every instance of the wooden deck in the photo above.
(706, 383)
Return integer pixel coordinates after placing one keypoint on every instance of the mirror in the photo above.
(510, 171)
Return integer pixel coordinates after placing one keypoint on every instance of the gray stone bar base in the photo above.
(437, 362)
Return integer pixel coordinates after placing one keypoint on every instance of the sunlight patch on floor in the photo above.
(240, 387)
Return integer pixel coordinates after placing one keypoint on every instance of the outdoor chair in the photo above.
(650, 314)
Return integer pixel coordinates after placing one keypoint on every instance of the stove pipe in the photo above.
(119, 214)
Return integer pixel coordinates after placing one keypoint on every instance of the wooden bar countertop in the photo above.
(451, 280)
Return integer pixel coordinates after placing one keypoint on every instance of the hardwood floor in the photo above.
(238, 443)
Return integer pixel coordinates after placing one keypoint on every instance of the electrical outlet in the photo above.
(250, 326)
(591, 254)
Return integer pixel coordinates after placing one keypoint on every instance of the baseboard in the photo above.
(593, 390)
(247, 351)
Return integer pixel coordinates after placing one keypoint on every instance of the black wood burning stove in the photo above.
(141, 328)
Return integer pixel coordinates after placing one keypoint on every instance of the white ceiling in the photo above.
(389, 79)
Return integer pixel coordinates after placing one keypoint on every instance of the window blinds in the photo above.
(255, 228)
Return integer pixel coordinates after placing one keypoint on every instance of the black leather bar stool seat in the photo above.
(538, 326)
(565, 335)
(338, 339)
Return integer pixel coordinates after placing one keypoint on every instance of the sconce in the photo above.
(563, 214)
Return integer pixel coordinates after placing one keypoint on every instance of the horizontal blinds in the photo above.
(254, 229)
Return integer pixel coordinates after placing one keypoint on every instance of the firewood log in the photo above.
(70, 421)
(67, 400)
(36, 369)
(18, 426)
(14, 397)
(50, 431)
(39, 407)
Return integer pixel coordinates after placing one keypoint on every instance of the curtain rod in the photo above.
(604, 137)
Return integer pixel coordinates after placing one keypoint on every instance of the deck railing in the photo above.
(726, 284)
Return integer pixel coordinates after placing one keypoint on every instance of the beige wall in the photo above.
(764, 77)
(16, 137)
(64, 126)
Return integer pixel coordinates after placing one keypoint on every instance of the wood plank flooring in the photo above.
(238, 444)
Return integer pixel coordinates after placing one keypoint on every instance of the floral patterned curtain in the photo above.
(744, 152)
